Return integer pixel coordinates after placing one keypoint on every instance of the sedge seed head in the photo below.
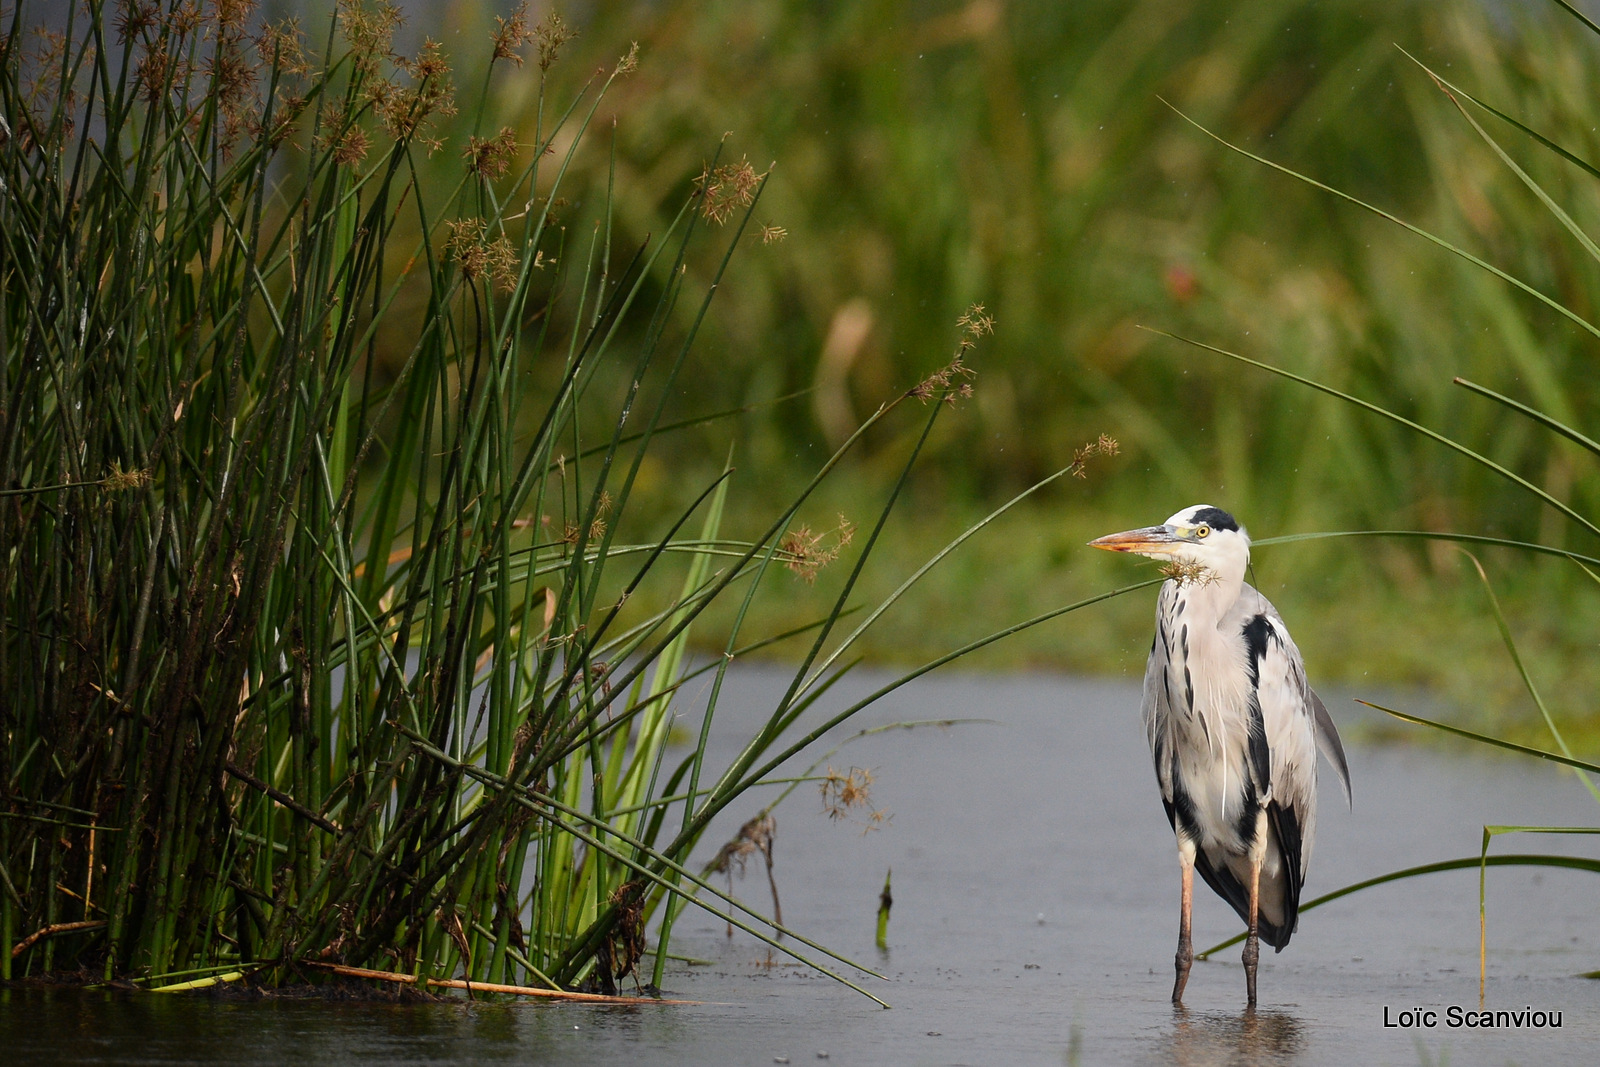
(512, 34)
(491, 157)
(1104, 445)
(119, 480)
(725, 189)
(551, 34)
(1189, 573)
(629, 62)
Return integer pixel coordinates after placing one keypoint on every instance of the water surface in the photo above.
(1035, 917)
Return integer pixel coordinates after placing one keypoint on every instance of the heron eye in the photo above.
(1202, 531)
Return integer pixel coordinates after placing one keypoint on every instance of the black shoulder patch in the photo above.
(1257, 632)
(1216, 518)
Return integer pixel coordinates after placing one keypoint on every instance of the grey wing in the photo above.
(1329, 745)
(1288, 721)
(1323, 730)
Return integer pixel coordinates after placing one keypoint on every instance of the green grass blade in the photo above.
(1544, 198)
(1570, 9)
(1509, 746)
(1432, 535)
(1550, 302)
(1491, 109)
(1527, 679)
(1432, 435)
(1576, 863)
(934, 664)
(1536, 415)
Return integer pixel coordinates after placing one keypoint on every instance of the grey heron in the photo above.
(1234, 730)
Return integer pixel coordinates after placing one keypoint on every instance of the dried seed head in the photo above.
(134, 17)
(806, 553)
(772, 234)
(186, 18)
(347, 141)
(724, 189)
(119, 480)
(551, 33)
(975, 322)
(628, 63)
(946, 384)
(283, 121)
(404, 111)
(491, 157)
(283, 43)
(843, 795)
(512, 34)
(370, 32)
(478, 257)
(352, 147)
(231, 15)
(1189, 573)
(156, 72)
(754, 836)
(1105, 445)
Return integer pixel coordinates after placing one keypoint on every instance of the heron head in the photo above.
(1198, 536)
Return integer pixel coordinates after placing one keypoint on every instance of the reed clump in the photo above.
(322, 409)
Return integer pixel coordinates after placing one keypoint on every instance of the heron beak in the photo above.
(1150, 541)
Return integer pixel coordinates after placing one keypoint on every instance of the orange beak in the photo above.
(1150, 541)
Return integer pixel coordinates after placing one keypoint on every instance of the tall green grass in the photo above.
(318, 653)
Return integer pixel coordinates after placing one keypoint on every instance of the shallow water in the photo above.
(1035, 916)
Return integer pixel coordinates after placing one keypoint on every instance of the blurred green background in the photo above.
(1020, 155)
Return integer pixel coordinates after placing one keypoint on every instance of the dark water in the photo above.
(1035, 917)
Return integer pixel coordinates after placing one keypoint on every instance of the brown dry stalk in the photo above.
(486, 987)
(757, 835)
(50, 931)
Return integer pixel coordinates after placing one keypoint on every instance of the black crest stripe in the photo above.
(1216, 518)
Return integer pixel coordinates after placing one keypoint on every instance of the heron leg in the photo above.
(1252, 944)
(1185, 956)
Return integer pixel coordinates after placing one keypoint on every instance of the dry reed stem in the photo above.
(489, 987)
(50, 931)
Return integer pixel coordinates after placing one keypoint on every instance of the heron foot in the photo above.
(1252, 954)
(1182, 962)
